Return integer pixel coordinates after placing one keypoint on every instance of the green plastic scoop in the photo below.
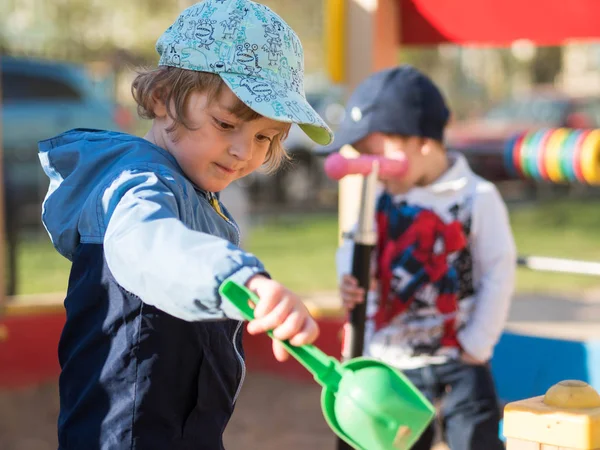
(366, 403)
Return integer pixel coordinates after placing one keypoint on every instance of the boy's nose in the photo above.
(241, 151)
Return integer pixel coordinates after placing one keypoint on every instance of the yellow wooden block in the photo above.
(567, 416)
(518, 444)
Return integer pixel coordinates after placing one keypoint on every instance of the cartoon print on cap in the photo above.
(254, 51)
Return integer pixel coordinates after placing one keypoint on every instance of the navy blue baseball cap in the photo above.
(400, 100)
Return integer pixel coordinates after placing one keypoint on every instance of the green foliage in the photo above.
(84, 30)
(299, 250)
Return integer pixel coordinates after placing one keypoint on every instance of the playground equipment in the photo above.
(365, 238)
(567, 141)
(368, 404)
(566, 417)
(337, 167)
(557, 155)
(371, 167)
(562, 265)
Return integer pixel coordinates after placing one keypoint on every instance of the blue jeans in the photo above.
(469, 411)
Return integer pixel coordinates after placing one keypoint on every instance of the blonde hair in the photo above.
(174, 86)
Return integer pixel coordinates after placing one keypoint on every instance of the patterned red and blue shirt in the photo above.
(444, 265)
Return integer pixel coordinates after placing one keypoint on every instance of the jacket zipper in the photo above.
(214, 202)
(241, 360)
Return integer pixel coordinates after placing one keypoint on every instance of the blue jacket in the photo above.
(150, 354)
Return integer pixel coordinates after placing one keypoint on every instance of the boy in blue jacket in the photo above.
(151, 355)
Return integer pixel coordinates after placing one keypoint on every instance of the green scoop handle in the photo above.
(326, 370)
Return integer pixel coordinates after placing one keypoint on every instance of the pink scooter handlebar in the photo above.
(337, 167)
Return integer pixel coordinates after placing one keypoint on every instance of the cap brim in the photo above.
(348, 133)
(279, 103)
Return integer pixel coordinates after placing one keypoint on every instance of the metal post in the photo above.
(364, 239)
(547, 264)
(364, 242)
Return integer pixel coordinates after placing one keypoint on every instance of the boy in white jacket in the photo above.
(444, 260)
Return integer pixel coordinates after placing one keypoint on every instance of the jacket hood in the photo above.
(78, 162)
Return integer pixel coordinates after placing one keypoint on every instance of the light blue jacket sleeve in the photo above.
(154, 255)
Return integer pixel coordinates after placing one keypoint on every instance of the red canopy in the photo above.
(498, 22)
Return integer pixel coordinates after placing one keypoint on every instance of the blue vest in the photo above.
(134, 377)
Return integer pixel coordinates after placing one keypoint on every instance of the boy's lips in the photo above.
(226, 169)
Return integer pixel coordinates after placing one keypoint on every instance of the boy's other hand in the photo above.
(352, 294)
(470, 360)
(282, 311)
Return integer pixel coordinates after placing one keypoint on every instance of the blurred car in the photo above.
(482, 139)
(41, 99)
(299, 182)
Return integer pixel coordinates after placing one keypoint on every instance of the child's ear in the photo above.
(159, 107)
(430, 145)
(426, 147)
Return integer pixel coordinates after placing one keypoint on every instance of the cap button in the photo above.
(572, 394)
(356, 114)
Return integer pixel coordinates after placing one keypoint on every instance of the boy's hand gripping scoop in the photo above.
(368, 404)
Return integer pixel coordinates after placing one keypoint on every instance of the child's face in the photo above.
(396, 147)
(220, 148)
